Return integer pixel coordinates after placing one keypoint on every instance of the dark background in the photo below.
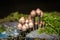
(25, 6)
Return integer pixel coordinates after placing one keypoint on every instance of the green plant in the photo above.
(53, 24)
(2, 28)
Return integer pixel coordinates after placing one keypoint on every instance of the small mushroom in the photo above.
(27, 26)
(19, 26)
(39, 12)
(40, 24)
(36, 23)
(30, 21)
(29, 17)
(22, 20)
(30, 25)
(33, 13)
(24, 28)
(43, 23)
(27, 21)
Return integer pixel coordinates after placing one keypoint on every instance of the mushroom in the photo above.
(33, 13)
(22, 20)
(29, 17)
(19, 26)
(30, 21)
(41, 23)
(39, 26)
(27, 26)
(24, 28)
(39, 12)
(36, 23)
(27, 21)
(31, 25)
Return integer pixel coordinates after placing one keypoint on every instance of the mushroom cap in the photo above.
(22, 20)
(27, 21)
(40, 24)
(43, 23)
(39, 12)
(29, 17)
(33, 13)
(30, 21)
(36, 23)
(27, 26)
(30, 25)
(19, 26)
(24, 28)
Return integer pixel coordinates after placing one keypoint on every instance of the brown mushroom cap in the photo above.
(27, 26)
(40, 24)
(29, 16)
(42, 14)
(36, 23)
(33, 13)
(30, 25)
(27, 21)
(19, 26)
(43, 23)
(39, 12)
(30, 21)
(24, 28)
(22, 20)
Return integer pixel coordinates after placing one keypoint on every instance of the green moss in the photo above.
(2, 28)
(53, 24)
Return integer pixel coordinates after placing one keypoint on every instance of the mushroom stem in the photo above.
(33, 19)
(39, 19)
(36, 27)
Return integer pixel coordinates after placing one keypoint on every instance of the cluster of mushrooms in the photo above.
(30, 23)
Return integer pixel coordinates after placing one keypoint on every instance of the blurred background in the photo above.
(25, 6)
(12, 10)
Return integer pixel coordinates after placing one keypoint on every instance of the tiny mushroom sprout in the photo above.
(27, 21)
(44, 23)
(41, 22)
(40, 25)
(36, 23)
